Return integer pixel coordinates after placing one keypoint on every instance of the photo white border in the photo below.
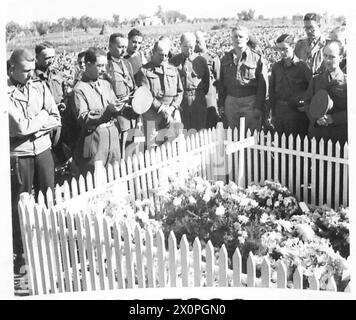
(6, 268)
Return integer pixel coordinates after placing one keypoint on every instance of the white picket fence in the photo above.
(67, 252)
(71, 252)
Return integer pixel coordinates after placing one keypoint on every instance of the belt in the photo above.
(106, 124)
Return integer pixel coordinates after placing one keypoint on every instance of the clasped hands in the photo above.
(325, 120)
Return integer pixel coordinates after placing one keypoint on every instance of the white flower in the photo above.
(305, 231)
(241, 240)
(286, 225)
(264, 217)
(253, 203)
(192, 200)
(233, 186)
(143, 216)
(219, 184)
(177, 201)
(244, 234)
(220, 211)
(287, 201)
(280, 197)
(243, 219)
(269, 202)
(276, 204)
(207, 196)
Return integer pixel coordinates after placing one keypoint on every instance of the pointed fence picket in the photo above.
(70, 251)
(81, 253)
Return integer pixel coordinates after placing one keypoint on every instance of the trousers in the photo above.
(27, 172)
(235, 108)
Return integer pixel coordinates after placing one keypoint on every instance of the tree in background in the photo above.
(84, 23)
(116, 18)
(41, 27)
(12, 30)
(246, 15)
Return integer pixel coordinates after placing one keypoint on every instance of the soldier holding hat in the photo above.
(326, 98)
(289, 81)
(165, 84)
(96, 109)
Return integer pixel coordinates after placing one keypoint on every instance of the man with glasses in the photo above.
(289, 82)
(310, 50)
(243, 82)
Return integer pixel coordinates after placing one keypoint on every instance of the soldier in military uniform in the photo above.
(195, 75)
(333, 125)
(214, 68)
(162, 120)
(243, 82)
(32, 115)
(310, 50)
(96, 109)
(55, 80)
(134, 55)
(289, 81)
(122, 79)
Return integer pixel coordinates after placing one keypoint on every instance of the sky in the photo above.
(23, 12)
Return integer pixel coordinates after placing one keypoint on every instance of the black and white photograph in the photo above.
(200, 147)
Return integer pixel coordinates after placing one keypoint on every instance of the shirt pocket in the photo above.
(248, 73)
(120, 86)
(171, 83)
(155, 83)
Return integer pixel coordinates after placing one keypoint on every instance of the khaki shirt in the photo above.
(55, 82)
(137, 60)
(243, 78)
(193, 71)
(337, 90)
(31, 111)
(311, 54)
(213, 64)
(289, 83)
(164, 83)
(91, 96)
(121, 76)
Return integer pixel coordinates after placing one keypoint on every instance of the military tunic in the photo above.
(32, 114)
(243, 87)
(122, 80)
(166, 88)
(311, 53)
(195, 75)
(337, 89)
(288, 85)
(99, 139)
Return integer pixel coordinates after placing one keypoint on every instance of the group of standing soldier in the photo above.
(191, 90)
